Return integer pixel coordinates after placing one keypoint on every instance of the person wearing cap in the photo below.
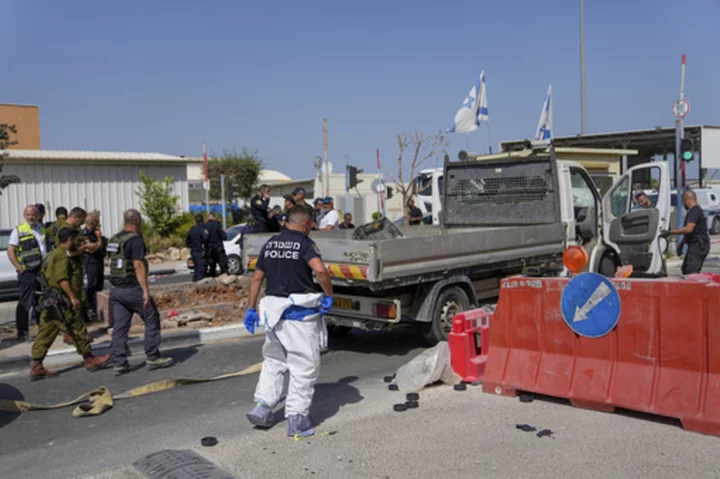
(331, 219)
(289, 203)
(274, 219)
(299, 195)
(259, 209)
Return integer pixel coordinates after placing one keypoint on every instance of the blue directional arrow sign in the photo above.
(590, 305)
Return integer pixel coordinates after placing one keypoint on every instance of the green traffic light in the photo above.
(687, 155)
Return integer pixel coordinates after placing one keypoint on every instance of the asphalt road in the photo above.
(53, 444)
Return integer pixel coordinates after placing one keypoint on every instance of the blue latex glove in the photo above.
(251, 320)
(325, 304)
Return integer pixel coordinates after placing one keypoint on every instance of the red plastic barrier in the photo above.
(663, 357)
(469, 344)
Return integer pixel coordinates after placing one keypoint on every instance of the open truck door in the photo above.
(632, 221)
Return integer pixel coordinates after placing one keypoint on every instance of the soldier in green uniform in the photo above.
(61, 272)
(60, 219)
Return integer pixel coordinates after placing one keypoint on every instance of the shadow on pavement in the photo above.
(330, 397)
(8, 392)
(8, 343)
(397, 342)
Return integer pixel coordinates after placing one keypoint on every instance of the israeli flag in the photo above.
(473, 110)
(544, 128)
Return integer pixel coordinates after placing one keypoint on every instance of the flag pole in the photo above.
(206, 183)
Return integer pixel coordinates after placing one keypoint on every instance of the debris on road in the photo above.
(393, 387)
(209, 441)
(412, 396)
(527, 398)
(545, 433)
(426, 368)
(389, 379)
(460, 387)
(400, 407)
(525, 427)
(412, 404)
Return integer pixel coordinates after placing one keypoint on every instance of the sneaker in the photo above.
(261, 415)
(120, 370)
(159, 363)
(300, 425)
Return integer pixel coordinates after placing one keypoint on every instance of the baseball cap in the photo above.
(298, 190)
(41, 208)
(289, 198)
(319, 200)
(329, 199)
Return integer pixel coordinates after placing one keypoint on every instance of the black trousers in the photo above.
(95, 282)
(198, 257)
(217, 256)
(27, 281)
(695, 257)
(124, 303)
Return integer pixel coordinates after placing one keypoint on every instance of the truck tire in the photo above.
(335, 331)
(715, 228)
(607, 266)
(234, 264)
(450, 302)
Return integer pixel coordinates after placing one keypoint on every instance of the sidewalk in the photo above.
(16, 356)
(7, 308)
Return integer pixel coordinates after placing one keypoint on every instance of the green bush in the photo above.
(186, 221)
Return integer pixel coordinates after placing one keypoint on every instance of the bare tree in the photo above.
(413, 151)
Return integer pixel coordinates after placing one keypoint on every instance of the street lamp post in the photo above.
(583, 124)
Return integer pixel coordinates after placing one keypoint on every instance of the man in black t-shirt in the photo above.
(416, 215)
(695, 235)
(130, 295)
(215, 248)
(292, 311)
(259, 209)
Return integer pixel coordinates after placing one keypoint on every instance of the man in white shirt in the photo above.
(26, 251)
(331, 219)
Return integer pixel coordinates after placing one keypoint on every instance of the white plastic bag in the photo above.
(426, 368)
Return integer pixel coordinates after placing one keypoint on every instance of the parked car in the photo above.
(8, 276)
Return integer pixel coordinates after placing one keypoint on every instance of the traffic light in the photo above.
(389, 191)
(352, 176)
(687, 148)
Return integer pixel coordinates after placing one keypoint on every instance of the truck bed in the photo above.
(427, 251)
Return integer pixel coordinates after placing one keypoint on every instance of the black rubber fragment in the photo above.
(412, 396)
(412, 404)
(389, 379)
(525, 427)
(393, 387)
(400, 407)
(460, 387)
(527, 398)
(209, 441)
(545, 433)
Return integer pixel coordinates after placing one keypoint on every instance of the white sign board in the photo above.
(681, 108)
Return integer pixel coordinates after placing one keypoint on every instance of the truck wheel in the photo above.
(607, 266)
(234, 264)
(335, 331)
(715, 228)
(450, 302)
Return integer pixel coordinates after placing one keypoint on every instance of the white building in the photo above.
(106, 181)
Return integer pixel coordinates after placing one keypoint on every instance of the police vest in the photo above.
(120, 267)
(28, 249)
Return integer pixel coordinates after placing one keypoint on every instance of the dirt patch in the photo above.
(229, 302)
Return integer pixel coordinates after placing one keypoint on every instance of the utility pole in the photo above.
(327, 165)
(222, 196)
(679, 135)
(583, 118)
(348, 209)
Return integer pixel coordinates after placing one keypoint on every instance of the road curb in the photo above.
(178, 339)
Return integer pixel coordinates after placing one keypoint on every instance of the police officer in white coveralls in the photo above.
(292, 312)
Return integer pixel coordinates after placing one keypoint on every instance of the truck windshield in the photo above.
(423, 183)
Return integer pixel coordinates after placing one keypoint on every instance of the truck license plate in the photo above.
(342, 303)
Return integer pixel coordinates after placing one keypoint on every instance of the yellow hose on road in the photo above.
(99, 400)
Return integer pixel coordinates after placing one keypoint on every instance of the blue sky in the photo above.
(162, 75)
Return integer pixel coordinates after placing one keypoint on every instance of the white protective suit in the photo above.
(290, 345)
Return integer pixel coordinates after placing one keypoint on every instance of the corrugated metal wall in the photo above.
(110, 188)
